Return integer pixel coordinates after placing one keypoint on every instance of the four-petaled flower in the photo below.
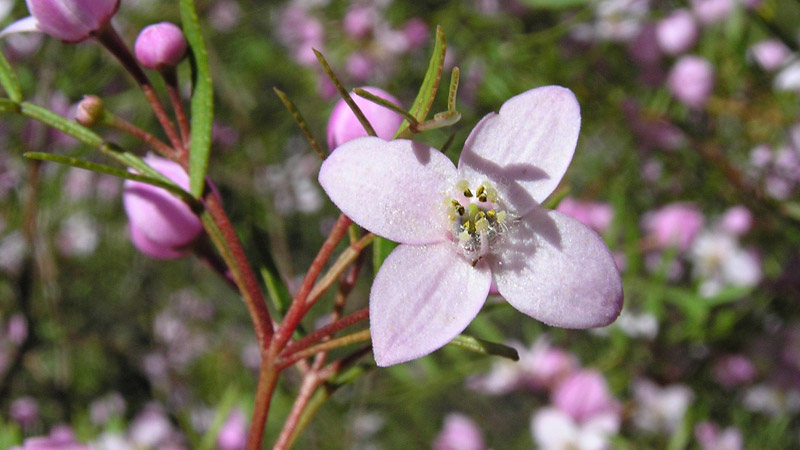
(463, 228)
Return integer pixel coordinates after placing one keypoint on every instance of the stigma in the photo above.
(477, 219)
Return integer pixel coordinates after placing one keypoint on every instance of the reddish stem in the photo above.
(298, 309)
(310, 383)
(171, 80)
(326, 331)
(267, 380)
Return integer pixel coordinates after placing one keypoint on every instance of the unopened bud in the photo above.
(344, 126)
(160, 45)
(90, 111)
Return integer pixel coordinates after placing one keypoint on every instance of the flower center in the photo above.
(476, 219)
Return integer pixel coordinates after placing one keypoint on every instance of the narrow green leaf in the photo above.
(440, 120)
(108, 170)
(277, 290)
(62, 124)
(202, 100)
(554, 200)
(9, 80)
(344, 94)
(301, 122)
(8, 106)
(484, 347)
(451, 99)
(430, 84)
(385, 103)
(223, 410)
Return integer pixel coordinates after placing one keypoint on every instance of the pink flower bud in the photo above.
(691, 81)
(770, 54)
(584, 395)
(160, 45)
(161, 225)
(677, 32)
(72, 20)
(90, 110)
(343, 125)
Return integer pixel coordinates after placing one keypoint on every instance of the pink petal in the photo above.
(555, 269)
(394, 189)
(25, 25)
(525, 150)
(423, 297)
(153, 249)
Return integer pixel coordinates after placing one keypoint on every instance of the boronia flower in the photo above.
(463, 228)
(68, 20)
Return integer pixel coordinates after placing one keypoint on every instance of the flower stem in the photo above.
(326, 331)
(123, 125)
(298, 306)
(359, 336)
(171, 80)
(267, 380)
(344, 260)
(310, 384)
(109, 38)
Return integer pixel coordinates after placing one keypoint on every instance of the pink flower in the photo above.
(461, 229)
(60, 438)
(737, 220)
(553, 429)
(734, 370)
(595, 215)
(358, 22)
(233, 435)
(343, 125)
(770, 54)
(675, 224)
(161, 225)
(160, 45)
(459, 433)
(710, 11)
(710, 437)
(691, 80)
(68, 20)
(677, 32)
(416, 32)
(585, 395)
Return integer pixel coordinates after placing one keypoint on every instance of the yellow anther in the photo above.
(482, 198)
(481, 190)
(491, 214)
(480, 215)
(467, 193)
(482, 225)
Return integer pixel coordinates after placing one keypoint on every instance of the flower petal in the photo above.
(423, 297)
(555, 269)
(394, 189)
(24, 25)
(526, 148)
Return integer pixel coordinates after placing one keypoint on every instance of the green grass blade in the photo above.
(484, 347)
(430, 84)
(9, 80)
(202, 100)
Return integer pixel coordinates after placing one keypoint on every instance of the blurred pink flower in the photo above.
(60, 438)
(691, 81)
(343, 125)
(734, 370)
(710, 437)
(676, 224)
(770, 54)
(677, 32)
(737, 220)
(68, 20)
(416, 32)
(595, 215)
(710, 11)
(553, 429)
(360, 66)
(464, 227)
(24, 411)
(161, 225)
(233, 434)
(644, 48)
(584, 395)
(660, 409)
(459, 433)
(358, 22)
(17, 331)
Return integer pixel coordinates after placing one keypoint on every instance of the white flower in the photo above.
(555, 430)
(660, 409)
(719, 262)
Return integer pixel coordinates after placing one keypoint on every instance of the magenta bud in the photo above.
(343, 125)
(90, 111)
(161, 225)
(691, 81)
(72, 20)
(160, 45)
